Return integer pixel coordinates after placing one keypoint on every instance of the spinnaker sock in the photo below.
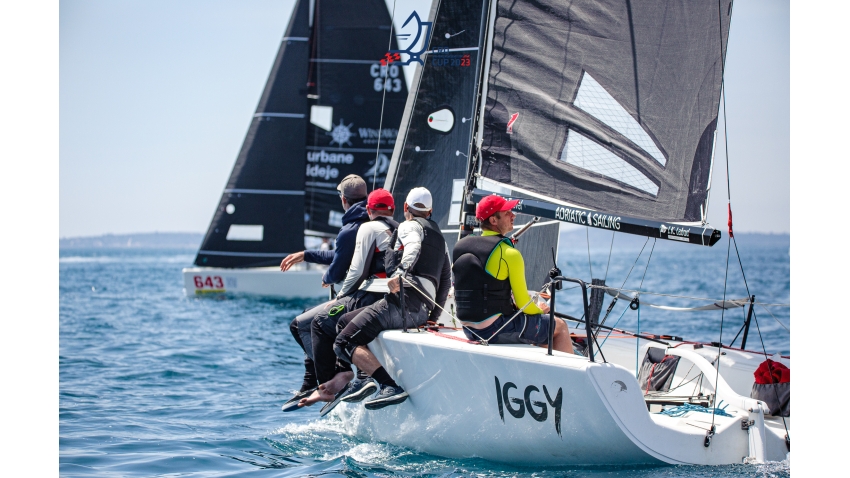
(382, 377)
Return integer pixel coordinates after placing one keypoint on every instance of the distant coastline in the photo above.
(147, 240)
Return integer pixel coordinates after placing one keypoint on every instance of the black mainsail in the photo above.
(349, 91)
(252, 225)
(321, 107)
(606, 117)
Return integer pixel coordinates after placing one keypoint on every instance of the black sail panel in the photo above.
(608, 105)
(437, 129)
(263, 199)
(348, 86)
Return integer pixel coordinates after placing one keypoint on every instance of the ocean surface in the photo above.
(155, 383)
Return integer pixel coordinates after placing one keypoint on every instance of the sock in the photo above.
(382, 377)
(310, 379)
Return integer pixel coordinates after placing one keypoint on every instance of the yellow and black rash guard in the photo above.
(506, 263)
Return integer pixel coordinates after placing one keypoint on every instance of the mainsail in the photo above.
(263, 199)
(608, 112)
(349, 91)
(438, 126)
(321, 107)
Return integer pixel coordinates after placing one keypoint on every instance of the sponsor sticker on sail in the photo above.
(511, 123)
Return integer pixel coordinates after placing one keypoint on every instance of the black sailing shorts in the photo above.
(523, 329)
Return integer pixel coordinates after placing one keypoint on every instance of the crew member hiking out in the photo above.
(487, 270)
(420, 256)
(364, 284)
(352, 193)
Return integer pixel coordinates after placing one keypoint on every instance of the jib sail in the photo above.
(263, 199)
(606, 111)
(438, 126)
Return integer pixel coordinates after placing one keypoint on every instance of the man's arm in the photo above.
(341, 256)
(318, 257)
(443, 290)
(411, 235)
(364, 241)
(516, 276)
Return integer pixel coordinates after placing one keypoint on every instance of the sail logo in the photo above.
(417, 45)
(537, 409)
(341, 134)
(316, 170)
(511, 123)
(373, 135)
(445, 57)
(382, 164)
(577, 216)
(675, 231)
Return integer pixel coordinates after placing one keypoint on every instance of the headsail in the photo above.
(439, 125)
(348, 86)
(607, 107)
(252, 225)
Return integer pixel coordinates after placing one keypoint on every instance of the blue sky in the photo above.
(155, 98)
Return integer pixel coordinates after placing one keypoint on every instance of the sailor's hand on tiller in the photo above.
(291, 260)
(393, 284)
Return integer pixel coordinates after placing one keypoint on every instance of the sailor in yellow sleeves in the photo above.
(488, 271)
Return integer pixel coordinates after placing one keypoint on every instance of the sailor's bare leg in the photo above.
(327, 390)
(365, 360)
(562, 341)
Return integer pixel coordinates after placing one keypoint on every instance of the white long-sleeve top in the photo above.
(370, 235)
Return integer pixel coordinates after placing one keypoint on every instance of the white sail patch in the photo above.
(442, 120)
(322, 116)
(594, 100)
(245, 232)
(585, 153)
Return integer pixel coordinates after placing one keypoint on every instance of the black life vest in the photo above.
(432, 254)
(478, 294)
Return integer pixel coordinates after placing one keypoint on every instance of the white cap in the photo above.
(419, 195)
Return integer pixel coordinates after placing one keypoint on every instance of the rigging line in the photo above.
(637, 342)
(384, 99)
(774, 318)
(590, 286)
(589, 265)
(609, 256)
(722, 316)
(633, 265)
(770, 369)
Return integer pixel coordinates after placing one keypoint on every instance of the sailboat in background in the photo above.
(600, 113)
(329, 109)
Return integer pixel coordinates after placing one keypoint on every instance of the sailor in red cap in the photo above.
(490, 285)
(364, 284)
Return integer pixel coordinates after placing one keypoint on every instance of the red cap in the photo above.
(380, 200)
(493, 204)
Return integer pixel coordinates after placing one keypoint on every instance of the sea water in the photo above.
(152, 382)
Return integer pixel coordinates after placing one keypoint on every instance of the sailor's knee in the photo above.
(344, 349)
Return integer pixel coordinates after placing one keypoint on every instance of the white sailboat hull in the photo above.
(264, 281)
(455, 409)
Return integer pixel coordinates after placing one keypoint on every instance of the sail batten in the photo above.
(610, 105)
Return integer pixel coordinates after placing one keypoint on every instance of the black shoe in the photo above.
(292, 403)
(388, 395)
(360, 389)
(330, 405)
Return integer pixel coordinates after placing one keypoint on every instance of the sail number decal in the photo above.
(531, 401)
(386, 77)
(577, 216)
(209, 282)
